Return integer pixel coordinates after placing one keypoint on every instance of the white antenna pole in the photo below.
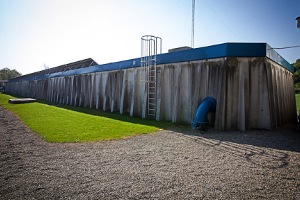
(193, 20)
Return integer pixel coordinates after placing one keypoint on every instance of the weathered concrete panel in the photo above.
(250, 92)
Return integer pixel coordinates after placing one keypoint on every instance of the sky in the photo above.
(39, 33)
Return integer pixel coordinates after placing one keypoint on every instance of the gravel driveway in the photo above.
(164, 165)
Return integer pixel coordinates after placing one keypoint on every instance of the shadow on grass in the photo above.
(116, 116)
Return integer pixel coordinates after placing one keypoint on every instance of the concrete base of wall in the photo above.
(21, 100)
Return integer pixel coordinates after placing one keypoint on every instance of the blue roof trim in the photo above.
(215, 51)
(202, 53)
(273, 55)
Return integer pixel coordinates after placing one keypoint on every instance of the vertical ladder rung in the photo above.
(150, 49)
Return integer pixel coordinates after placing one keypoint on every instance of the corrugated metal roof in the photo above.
(62, 68)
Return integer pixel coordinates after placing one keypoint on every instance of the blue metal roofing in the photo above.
(202, 53)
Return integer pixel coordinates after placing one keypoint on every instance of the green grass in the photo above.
(62, 123)
(297, 101)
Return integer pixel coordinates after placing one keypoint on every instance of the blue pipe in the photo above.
(207, 105)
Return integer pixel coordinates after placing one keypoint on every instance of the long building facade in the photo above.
(252, 85)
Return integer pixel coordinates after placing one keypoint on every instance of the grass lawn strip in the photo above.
(63, 124)
(298, 101)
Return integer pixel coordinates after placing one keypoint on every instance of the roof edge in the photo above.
(201, 53)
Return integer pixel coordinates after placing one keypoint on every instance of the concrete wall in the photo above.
(250, 92)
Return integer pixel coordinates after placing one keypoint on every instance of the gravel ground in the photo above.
(168, 164)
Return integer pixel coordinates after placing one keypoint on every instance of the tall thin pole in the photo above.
(193, 20)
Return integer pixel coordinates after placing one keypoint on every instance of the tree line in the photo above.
(6, 74)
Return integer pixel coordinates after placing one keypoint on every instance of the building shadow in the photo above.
(268, 149)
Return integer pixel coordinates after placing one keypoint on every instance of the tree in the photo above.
(297, 64)
(296, 75)
(6, 74)
(297, 88)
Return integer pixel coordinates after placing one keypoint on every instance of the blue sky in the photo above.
(34, 33)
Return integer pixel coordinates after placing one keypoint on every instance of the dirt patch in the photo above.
(166, 165)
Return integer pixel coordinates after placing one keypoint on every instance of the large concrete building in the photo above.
(251, 83)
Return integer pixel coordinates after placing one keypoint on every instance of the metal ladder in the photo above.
(149, 51)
